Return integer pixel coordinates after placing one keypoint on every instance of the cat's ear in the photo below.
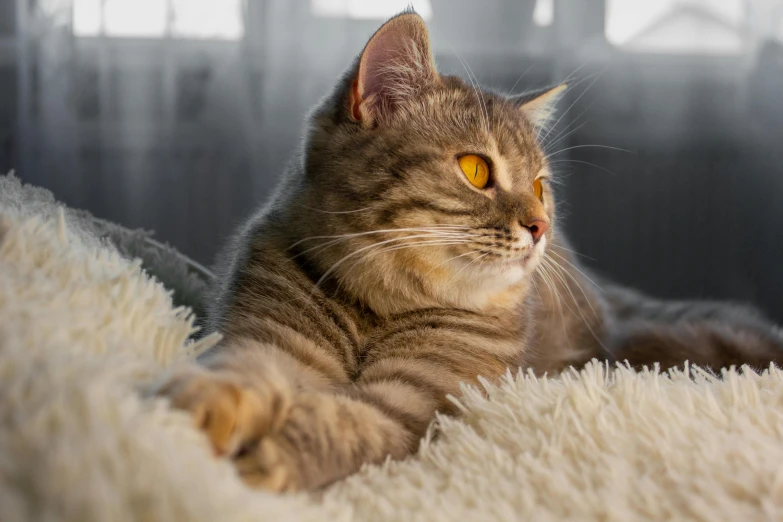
(395, 64)
(539, 106)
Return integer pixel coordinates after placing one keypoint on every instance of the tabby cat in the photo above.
(410, 247)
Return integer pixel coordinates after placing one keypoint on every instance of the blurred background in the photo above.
(178, 116)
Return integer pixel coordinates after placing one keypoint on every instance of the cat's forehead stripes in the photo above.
(503, 172)
(509, 138)
(455, 116)
(516, 141)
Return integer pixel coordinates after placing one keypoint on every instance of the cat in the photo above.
(412, 246)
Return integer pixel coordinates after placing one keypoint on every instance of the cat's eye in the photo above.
(538, 188)
(475, 169)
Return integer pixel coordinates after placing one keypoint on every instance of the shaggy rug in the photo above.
(83, 328)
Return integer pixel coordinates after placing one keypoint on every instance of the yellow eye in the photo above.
(538, 188)
(476, 169)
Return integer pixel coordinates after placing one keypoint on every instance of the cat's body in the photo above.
(411, 247)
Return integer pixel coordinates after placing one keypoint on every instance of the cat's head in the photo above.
(422, 187)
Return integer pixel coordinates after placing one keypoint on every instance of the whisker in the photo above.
(333, 242)
(482, 101)
(433, 228)
(574, 120)
(576, 303)
(579, 68)
(556, 275)
(553, 245)
(520, 78)
(551, 128)
(535, 287)
(561, 271)
(441, 237)
(560, 136)
(418, 243)
(597, 76)
(592, 146)
(355, 253)
(476, 89)
(392, 248)
(479, 258)
(584, 163)
(547, 278)
(578, 270)
(337, 211)
(447, 260)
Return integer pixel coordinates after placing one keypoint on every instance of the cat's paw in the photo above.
(272, 465)
(231, 414)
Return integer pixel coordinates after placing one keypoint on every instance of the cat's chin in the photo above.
(517, 263)
(498, 274)
(513, 271)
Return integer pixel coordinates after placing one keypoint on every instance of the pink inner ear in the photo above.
(395, 64)
(380, 55)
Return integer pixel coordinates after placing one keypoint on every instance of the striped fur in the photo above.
(378, 279)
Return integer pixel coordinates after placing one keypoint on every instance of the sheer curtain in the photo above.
(144, 111)
(179, 116)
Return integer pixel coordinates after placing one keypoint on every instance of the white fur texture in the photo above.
(82, 329)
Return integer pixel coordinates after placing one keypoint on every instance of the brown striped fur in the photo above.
(378, 279)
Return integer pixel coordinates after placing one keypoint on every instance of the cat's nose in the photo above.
(537, 228)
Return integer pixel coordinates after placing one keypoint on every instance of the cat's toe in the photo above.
(229, 413)
(267, 465)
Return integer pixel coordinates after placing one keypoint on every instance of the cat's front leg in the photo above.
(284, 429)
(240, 415)
(324, 437)
(231, 410)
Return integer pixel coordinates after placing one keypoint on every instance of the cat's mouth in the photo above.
(527, 259)
(517, 261)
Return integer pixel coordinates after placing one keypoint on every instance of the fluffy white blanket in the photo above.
(82, 329)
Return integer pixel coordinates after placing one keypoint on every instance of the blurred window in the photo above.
(368, 9)
(677, 26)
(544, 13)
(207, 19)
